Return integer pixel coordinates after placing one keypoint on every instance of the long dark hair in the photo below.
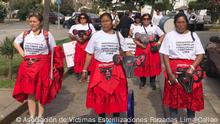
(86, 16)
(178, 15)
(106, 14)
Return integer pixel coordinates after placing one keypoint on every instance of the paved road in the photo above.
(14, 29)
(70, 103)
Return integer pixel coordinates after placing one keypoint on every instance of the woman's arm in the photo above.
(171, 76)
(161, 39)
(85, 67)
(19, 49)
(196, 62)
(138, 43)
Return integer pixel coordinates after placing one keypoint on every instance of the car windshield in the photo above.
(91, 15)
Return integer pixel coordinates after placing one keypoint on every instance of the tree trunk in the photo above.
(152, 10)
(46, 14)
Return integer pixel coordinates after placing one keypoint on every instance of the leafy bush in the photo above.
(2, 13)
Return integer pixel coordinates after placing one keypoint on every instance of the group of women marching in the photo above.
(107, 89)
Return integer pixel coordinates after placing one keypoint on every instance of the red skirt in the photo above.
(35, 79)
(107, 96)
(80, 57)
(176, 97)
(152, 65)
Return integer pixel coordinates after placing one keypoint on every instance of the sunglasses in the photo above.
(146, 19)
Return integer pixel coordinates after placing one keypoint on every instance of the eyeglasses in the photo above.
(146, 19)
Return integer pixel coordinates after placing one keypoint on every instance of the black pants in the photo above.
(103, 115)
(174, 113)
(152, 79)
(124, 32)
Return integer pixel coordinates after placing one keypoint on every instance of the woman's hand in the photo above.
(158, 43)
(143, 46)
(83, 77)
(172, 78)
(190, 71)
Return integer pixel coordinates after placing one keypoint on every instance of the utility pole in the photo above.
(46, 15)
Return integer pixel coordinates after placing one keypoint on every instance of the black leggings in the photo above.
(152, 79)
(174, 113)
(103, 115)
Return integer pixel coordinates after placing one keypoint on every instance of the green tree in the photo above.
(67, 7)
(106, 4)
(7, 50)
(2, 12)
(25, 6)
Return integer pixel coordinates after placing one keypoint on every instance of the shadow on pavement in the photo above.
(64, 98)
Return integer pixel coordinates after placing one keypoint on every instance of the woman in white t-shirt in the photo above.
(33, 81)
(182, 49)
(152, 66)
(107, 89)
(135, 25)
(82, 40)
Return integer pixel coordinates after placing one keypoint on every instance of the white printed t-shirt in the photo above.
(35, 44)
(82, 27)
(134, 28)
(156, 19)
(181, 46)
(151, 29)
(104, 46)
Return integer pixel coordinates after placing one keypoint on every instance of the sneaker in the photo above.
(31, 120)
(40, 120)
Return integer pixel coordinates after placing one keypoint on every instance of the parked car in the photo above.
(93, 18)
(53, 17)
(212, 57)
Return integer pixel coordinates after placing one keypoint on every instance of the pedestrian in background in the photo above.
(115, 18)
(125, 24)
(135, 25)
(152, 65)
(157, 17)
(82, 40)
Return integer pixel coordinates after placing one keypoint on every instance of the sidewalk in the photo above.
(70, 104)
(9, 108)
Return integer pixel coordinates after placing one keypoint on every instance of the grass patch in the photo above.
(4, 64)
(7, 83)
(60, 42)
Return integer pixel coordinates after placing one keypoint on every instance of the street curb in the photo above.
(21, 109)
(14, 114)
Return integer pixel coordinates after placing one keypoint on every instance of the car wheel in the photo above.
(64, 26)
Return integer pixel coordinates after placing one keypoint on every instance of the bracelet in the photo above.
(85, 71)
(192, 67)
